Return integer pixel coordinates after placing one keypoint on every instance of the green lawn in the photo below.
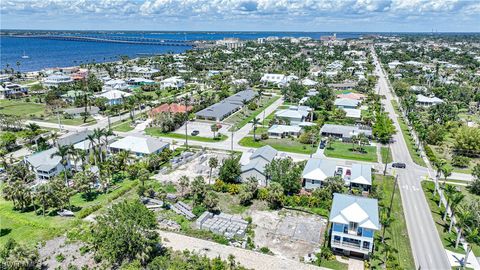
(285, 145)
(343, 150)
(334, 264)
(412, 148)
(21, 108)
(448, 239)
(397, 231)
(30, 228)
(158, 133)
(70, 122)
(241, 118)
(386, 154)
(124, 126)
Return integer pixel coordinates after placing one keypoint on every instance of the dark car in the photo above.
(399, 165)
(322, 144)
(195, 132)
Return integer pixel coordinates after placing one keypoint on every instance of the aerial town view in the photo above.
(262, 134)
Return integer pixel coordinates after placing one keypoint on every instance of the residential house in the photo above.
(139, 81)
(308, 82)
(116, 84)
(12, 90)
(353, 113)
(172, 108)
(139, 146)
(343, 86)
(144, 72)
(114, 97)
(282, 131)
(343, 132)
(172, 82)
(255, 166)
(72, 95)
(78, 112)
(44, 165)
(354, 221)
(350, 95)
(427, 101)
(346, 103)
(57, 80)
(220, 110)
(294, 114)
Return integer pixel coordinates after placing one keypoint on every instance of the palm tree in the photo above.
(42, 195)
(455, 201)
(63, 152)
(449, 191)
(212, 163)
(184, 182)
(255, 122)
(464, 219)
(93, 142)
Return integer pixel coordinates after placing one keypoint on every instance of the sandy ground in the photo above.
(194, 168)
(70, 251)
(288, 234)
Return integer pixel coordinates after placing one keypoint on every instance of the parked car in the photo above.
(195, 132)
(399, 165)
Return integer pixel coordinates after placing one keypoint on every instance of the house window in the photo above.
(352, 226)
(366, 245)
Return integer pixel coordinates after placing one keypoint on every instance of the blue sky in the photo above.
(247, 15)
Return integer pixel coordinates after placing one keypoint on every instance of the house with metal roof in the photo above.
(316, 171)
(282, 131)
(354, 222)
(427, 101)
(223, 109)
(114, 97)
(343, 132)
(352, 113)
(77, 112)
(138, 146)
(44, 165)
(256, 164)
(294, 114)
(346, 103)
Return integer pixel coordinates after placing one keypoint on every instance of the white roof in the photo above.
(424, 99)
(144, 145)
(291, 113)
(114, 94)
(353, 113)
(284, 128)
(308, 82)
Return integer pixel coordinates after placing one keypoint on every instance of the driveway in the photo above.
(247, 258)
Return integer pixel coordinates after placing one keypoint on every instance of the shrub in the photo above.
(88, 210)
(219, 186)
(252, 106)
(60, 257)
(429, 152)
(262, 194)
(460, 161)
(264, 136)
(265, 250)
(198, 210)
(233, 188)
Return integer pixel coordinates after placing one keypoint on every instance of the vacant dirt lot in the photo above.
(288, 234)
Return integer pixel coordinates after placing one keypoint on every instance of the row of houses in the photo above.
(354, 219)
(46, 164)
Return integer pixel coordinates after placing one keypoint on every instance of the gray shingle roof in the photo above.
(227, 106)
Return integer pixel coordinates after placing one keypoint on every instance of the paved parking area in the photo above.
(204, 128)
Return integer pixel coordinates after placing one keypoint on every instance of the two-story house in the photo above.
(45, 164)
(354, 221)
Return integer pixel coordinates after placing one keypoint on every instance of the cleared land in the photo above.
(285, 145)
(343, 150)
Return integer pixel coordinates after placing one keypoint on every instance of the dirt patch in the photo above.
(61, 253)
(288, 234)
(193, 168)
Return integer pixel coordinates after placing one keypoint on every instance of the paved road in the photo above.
(247, 258)
(427, 248)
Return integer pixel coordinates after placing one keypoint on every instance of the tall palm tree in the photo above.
(42, 195)
(464, 219)
(92, 145)
(455, 201)
(63, 152)
(212, 163)
(449, 192)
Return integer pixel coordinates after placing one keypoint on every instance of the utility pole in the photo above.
(393, 193)
(233, 130)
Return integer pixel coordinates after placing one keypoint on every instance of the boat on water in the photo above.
(24, 56)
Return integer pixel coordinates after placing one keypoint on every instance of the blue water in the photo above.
(58, 53)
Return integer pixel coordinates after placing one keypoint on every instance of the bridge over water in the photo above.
(113, 39)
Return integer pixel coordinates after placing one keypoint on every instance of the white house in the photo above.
(427, 101)
(346, 103)
(255, 166)
(56, 80)
(172, 82)
(308, 82)
(144, 72)
(44, 165)
(114, 97)
(139, 146)
(281, 131)
(294, 114)
(277, 79)
(116, 84)
(354, 222)
(12, 90)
